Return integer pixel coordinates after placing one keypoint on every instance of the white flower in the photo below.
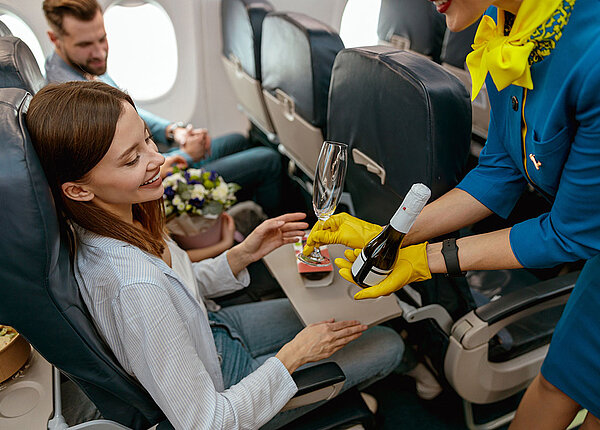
(220, 193)
(181, 206)
(177, 201)
(194, 172)
(198, 192)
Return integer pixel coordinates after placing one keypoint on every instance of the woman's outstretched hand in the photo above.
(318, 341)
(269, 235)
(344, 229)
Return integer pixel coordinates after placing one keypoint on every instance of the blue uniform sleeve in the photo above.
(496, 182)
(571, 230)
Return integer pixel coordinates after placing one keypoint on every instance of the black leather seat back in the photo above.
(18, 66)
(4, 30)
(297, 55)
(40, 297)
(412, 24)
(241, 26)
(457, 45)
(407, 115)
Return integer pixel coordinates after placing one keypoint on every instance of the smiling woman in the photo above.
(104, 173)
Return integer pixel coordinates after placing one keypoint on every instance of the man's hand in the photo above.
(194, 141)
(341, 228)
(411, 266)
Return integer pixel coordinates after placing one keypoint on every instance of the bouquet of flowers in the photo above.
(194, 200)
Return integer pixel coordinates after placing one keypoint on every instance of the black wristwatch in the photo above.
(450, 254)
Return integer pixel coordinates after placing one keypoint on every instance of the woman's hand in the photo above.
(227, 230)
(170, 162)
(341, 228)
(269, 235)
(318, 341)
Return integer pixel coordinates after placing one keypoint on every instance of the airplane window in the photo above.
(143, 49)
(20, 29)
(359, 23)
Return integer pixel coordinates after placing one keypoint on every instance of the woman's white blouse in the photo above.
(160, 334)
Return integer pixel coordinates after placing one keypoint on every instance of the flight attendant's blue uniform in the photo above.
(549, 137)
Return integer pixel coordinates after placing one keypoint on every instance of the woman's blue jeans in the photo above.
(247, 335)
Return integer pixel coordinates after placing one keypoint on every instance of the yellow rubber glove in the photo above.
(341, 228)
(411, 266)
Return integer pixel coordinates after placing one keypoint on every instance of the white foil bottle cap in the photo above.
(411, 206)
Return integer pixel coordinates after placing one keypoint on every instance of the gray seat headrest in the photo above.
(18, 66)
(4, 30)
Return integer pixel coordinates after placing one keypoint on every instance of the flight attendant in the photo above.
(539, 60)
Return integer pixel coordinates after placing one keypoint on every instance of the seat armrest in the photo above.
(527, 297)
(479, 326)
(316, 383)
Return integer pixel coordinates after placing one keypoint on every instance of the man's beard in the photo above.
(85, 68)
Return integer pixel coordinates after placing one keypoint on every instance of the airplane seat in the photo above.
(41, 300)
(485, 338)
(4, 30)
(241, 26)
(297, 55)
(405, 119)
(18, 67)
(411, 24)
(455, 48)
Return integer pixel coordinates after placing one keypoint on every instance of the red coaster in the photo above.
(306, 268)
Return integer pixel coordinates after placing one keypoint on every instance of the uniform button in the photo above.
(515, 103)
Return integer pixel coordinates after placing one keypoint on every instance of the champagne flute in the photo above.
(327, 190)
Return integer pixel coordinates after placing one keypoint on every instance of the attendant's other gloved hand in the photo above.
(344, 229)
(411, 266)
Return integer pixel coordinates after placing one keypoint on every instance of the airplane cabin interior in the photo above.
(385, 77)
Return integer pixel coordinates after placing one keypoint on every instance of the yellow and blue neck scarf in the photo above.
(536, 29)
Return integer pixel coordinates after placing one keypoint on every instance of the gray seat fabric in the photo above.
(297, 55)
(242, 31)
(4, 30)
(413, 119)
(40, 297)
(414, 23)
(18, 66)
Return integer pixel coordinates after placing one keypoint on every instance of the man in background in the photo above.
(80, 53)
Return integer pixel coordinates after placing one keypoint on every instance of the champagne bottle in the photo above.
(377, 258)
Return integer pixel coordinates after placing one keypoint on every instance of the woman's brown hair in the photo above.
(72, 126)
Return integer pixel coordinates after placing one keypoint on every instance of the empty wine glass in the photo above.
(327, 190)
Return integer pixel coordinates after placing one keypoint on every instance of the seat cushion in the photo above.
(415, 20)
(297, 55)
(241, 25)
(413, 119)
(18, 66)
